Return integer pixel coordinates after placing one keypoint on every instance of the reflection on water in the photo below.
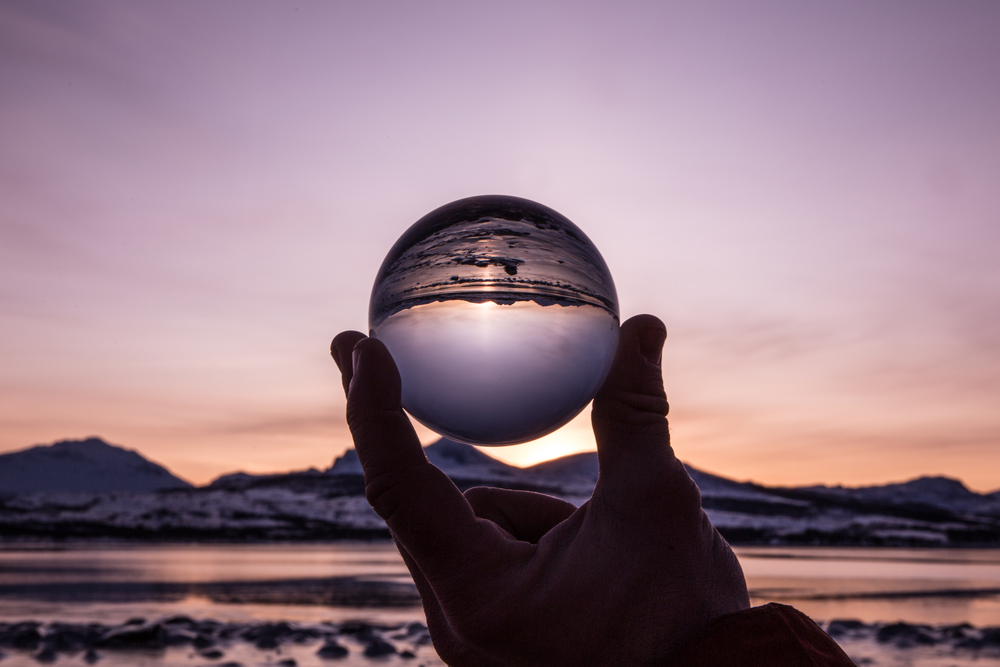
(111, 583)
(252, 584)
(485, 373)
(933, 586)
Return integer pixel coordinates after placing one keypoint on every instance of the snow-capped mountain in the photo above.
(82, 465)
(943, 492)
(330, 504)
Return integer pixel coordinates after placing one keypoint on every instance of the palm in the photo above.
(518, 578)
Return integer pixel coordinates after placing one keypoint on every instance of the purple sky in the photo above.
(196, 198)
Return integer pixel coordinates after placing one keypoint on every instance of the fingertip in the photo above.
(341, 349)
(636, 369)
(650, 334)
(378, 383)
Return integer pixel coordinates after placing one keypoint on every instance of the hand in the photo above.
(518, 578)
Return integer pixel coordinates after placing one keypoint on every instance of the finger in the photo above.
(630, 423)
(423, 508)
(526, 515)
(449, 647)
(341, 349)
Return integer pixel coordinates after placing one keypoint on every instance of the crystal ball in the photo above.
(502, 318)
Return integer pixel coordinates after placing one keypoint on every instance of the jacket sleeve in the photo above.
(774, 635)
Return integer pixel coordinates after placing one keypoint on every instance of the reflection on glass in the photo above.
(502, 318)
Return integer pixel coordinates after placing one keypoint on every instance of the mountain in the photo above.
(82, 465)
(329, 505)
(930, 511)
(936, 491)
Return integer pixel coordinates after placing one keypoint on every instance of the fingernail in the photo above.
(355, 358)
(651, 344)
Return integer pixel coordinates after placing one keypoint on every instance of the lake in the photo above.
(316, 584)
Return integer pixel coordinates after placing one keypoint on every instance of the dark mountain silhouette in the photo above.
(82, 465)
(330, 504)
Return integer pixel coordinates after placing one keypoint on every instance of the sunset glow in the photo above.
(197, 197)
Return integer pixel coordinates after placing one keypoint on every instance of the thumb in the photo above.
(630, 422)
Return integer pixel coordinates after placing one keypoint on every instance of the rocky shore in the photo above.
(181, 639)
(184, 640)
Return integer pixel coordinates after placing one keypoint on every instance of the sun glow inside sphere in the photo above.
(502, 318)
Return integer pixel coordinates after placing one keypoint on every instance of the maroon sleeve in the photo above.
(774, 635)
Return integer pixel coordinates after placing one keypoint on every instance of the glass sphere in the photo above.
(502, 318)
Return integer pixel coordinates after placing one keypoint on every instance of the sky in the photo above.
(195, 198)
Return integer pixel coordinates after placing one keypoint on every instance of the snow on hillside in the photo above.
(941, 492)
(323, 505)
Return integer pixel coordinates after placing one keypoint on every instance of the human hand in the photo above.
(513, 578)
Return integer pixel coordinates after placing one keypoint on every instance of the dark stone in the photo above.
(91, 656)
(180, 638)
(266, 643)
(22, 636)
(841, 627)
(287, 662)
(46, 655)
(268, 636)
(131, 636)
(991, 636)
(212, 654)
(203, 641)
(208, 627)
(960, 631)
(378, 647)
(135, 621)
(179, 620)
(355, 628)
(905, 635)
(407, 654)
(331, 650)
(67, 639)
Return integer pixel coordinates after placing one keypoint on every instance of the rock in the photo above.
(331, 650)
(207, 627)
(359, 628)
(957, 632)
(905, 635)
(46, 655)
(91, 656)
(287, 662)
(22, 635)
(132, 636)
(179, 638)
(179, 620)
(378, 647)
(991, 636)
(840, 627)
(269, 636)
(66, 640)
(212, 654)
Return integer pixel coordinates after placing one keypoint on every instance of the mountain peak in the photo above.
(90, 465)
(447, 453)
